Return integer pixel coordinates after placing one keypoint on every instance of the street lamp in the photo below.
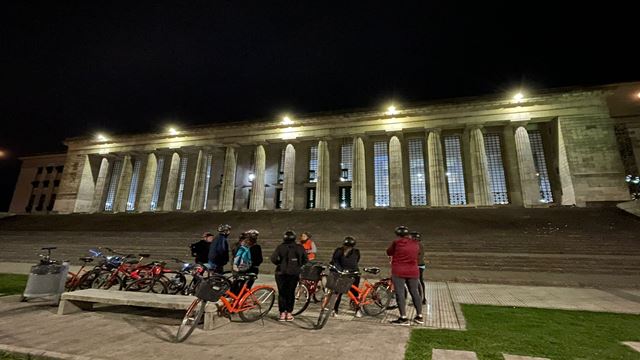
(634, 185)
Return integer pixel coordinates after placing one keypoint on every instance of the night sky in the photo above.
(71, 69)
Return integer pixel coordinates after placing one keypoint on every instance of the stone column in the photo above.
(148, 183)
(437, 179)
(288, 182)
(511, 166)
(228, 180)
(479, 169)
(101, 184)
(359, 183)
(124, 184)
(323, 194)
(526, 169)
(396, 176)
(257, 187)
(172, 184)
(197, 185)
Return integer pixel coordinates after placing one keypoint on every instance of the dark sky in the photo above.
(72, 68)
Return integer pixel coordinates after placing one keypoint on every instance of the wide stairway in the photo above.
(551, 246)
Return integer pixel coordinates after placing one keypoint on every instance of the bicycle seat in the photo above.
(132, 261)
(49, 248)
(86, 259)
(372, 270)
(144, 255)
(245, 275)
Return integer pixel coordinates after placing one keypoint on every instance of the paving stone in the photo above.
(633, 344)
(438, 354)
(519, 357)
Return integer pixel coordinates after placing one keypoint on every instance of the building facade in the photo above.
(38, 184)
(564, 147)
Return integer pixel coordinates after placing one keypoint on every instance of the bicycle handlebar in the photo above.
(343, 272)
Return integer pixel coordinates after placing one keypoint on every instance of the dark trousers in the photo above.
(286, 291)
(356, 282)
(413, 285)
(422, 294)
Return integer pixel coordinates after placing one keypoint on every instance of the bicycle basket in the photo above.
(339, 284)
(211, 289)
(311, 272)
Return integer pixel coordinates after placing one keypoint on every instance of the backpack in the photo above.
(292, 262)
(242, 260)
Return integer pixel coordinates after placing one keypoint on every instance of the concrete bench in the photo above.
(75, 301)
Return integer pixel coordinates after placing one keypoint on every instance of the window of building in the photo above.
(537, 148)
(344, 196)
(45, 184)
(113, 185)
(56, 183)
(41, 202)
(39, 170)
(133, 189)
(35, 183)
(417, 174)
(52, 201)
(311, 198)
(493, 149)
(183, 175)
(59, 169)
(281, 167)
(49, 169)
(207, 179)
(278, 198)
(381, 173)
(455, 173)
(313, 163)
(346, 161)
(29, 207)
(155, 195)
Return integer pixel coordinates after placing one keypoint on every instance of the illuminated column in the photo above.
(101, 183)
(172, 184)
(122, 192)
(359, 183)
(148, 182)
(526, 169)
(288, 182)
(479, 169)
(323, 195)
(437, 180)
(197, 186)
(396, 177)
(228, 180)
(257, 187)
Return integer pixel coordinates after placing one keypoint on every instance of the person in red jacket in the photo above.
(404, 271)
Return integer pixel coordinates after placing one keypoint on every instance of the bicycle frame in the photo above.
(362, 293)
(238, 303)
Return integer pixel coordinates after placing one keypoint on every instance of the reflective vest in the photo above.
(310, 248)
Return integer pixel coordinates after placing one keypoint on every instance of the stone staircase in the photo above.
(592, 246)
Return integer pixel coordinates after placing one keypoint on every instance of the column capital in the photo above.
(428, 130)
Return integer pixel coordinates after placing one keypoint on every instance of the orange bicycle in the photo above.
(250, 304)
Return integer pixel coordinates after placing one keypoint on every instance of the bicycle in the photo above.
(127, 264)
(150, 279)
(372, 299)
(250, 304)
(312, 285)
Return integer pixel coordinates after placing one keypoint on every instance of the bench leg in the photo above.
(72, 306)
(209, 320)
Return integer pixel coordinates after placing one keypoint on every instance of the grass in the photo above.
(12, 356)
(554, 334)
(11, 284)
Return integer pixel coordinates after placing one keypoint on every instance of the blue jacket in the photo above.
(219, 250)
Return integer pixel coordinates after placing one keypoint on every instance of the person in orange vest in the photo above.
(308, 245)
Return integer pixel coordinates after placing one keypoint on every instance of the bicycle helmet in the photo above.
(251, 234)
(224, 228)
(349, 241)
(416, 235)
(289, 236)
(402, 231)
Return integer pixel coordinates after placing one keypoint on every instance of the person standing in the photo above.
(251, 240)
(346, 258)
(421, 264)
(219, 250)
(308, 245)
(288, 258)
(200, 249)
(404, 271)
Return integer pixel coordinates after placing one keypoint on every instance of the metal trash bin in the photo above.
(46, 280)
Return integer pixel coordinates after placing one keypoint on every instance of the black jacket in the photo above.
(348, 262)
(289, 258)
(421, 255)
(200, 250)
(256, 258)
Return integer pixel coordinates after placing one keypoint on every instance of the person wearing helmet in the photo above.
(251, 241)
(404, 252)
(288, 258)
(421, 264)
(346, 258)
(219, 250)
(200, 249)
(308, 245)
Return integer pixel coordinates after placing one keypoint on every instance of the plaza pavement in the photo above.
(112, 332)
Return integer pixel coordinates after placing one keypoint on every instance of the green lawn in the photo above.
(11, 284)
(554, 334)
(12, 356)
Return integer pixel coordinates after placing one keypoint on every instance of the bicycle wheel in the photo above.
(258, 303)
(104, 281)
(301, 300)
(153, 285)
(328, 302)
(321, 289)
(191, 319)
(86, 279)
(175, 284)
(376, 301)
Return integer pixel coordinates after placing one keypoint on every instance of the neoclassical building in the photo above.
(564, 147)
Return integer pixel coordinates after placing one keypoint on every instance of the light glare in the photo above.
(286, 121)
(173, 131)
(518, 97)
(391, 110)
(101, 137)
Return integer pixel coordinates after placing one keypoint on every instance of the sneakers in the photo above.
(289, 317)
(334, 313)
(359, 313)
(418, 319)
(283, 316)
(401, 321)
